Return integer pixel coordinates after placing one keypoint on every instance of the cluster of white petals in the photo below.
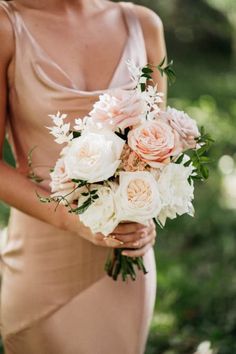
(135, 71)
(94, 156)
(60, 130)
(102, 215)
(175, 191)
(152, 98)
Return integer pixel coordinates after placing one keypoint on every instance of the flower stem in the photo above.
(117, 264)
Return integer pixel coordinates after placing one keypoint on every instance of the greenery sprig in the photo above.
(198, 157)
(91, 194)
(164, 69)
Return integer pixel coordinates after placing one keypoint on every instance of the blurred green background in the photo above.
(196, 297)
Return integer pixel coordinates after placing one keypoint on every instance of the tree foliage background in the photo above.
(196, 297)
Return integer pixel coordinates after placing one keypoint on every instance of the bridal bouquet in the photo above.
(128, 160)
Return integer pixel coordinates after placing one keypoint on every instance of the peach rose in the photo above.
(184, 125)
(122, 110)
(154, 142)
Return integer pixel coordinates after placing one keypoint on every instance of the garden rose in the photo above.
(137, 197)
(61, 185)
(184, 125)
(155, 142)
(94, 156)
(122, 110)
(175, 191)
(101, 216)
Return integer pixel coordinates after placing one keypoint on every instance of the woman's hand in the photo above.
(139, 238)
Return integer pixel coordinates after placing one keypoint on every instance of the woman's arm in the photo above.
(15, 188)
(153, 32)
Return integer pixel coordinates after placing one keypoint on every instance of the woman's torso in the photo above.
(55, 263)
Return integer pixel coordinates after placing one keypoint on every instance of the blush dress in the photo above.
(55, 295)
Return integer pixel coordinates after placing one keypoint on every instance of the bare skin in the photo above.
(54, 21)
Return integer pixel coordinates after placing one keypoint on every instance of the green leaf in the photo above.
(76, 134)
(196, 177)
(94, 191)
(202, 150)
(84, 206)
(43, 199)
(147, 70)
(162, 62)
(143, 87)
(188, 163)
(204, 171)
(205, 159)
(180, 159)
(80, 182)
(30, 156)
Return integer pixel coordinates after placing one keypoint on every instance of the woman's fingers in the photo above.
(127, 228)
(140, 243)
(143, 236)
(137, 253)
(131, 237)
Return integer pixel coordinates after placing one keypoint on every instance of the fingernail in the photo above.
(136, 243)
(125, 254)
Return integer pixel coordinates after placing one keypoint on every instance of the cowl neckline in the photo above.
(41, 53)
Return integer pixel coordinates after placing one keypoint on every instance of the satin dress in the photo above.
(55, 295)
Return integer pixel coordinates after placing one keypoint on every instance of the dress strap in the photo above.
(136, 31)
(10, 11)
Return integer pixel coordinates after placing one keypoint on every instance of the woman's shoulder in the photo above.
(153, 32)
(150, 20)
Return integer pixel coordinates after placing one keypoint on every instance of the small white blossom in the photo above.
(60, 130)
(82, 124)
(152, 98)
(134, 70)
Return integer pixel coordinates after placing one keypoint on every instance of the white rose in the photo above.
(175, 191)
(101, 215)
(61, 185)
(94, 156)
(138, 197)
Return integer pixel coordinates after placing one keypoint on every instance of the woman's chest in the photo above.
(87, 52)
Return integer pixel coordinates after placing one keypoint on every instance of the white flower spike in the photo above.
(60, 131)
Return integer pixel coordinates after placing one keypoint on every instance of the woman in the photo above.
(55, 296)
